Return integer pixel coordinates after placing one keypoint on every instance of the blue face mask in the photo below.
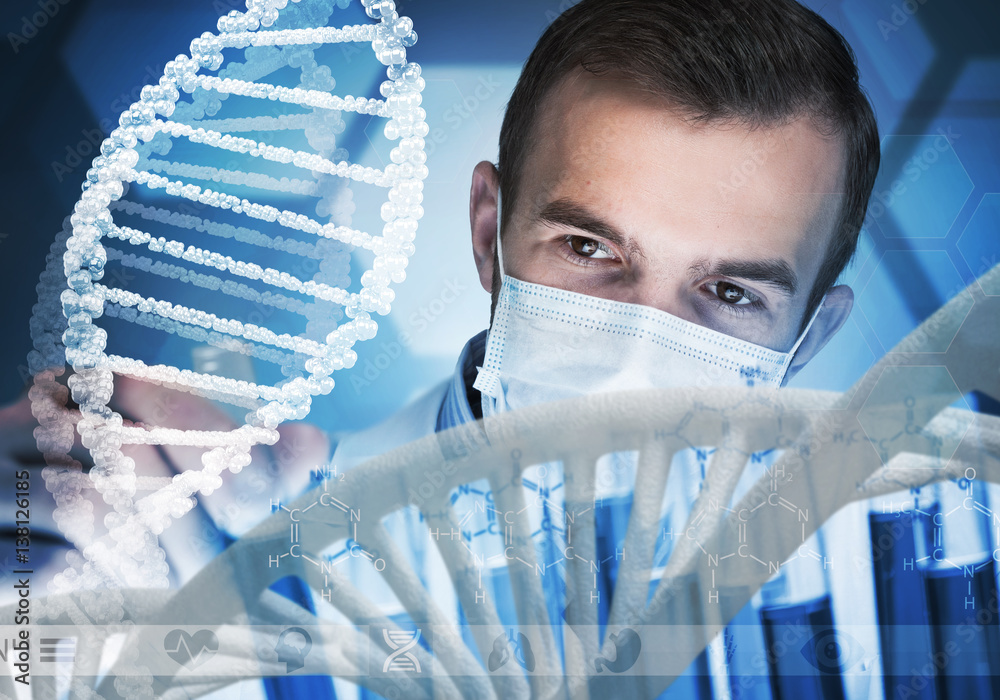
(547, 344)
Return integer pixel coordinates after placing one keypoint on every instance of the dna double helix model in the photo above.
(579, 657)
(118, 576)
(119, 219)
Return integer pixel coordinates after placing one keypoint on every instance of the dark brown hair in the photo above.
(758, 63)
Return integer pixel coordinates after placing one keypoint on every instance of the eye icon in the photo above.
(832, 652)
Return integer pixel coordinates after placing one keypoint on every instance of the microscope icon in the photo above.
(522, 653)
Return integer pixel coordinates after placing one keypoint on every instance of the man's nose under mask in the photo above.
(547, 344)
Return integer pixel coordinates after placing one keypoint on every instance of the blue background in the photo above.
(930, 67)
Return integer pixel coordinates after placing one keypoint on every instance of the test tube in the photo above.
(900, 598)
(687, 474)
(745, 652)
(804, 652)
(958, 569)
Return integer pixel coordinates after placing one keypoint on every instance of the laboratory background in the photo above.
(68, 68)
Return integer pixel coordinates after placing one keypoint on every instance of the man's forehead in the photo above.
(606, 123)
(716, 192)
(603, 113)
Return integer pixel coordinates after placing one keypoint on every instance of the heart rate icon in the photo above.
(191, 650)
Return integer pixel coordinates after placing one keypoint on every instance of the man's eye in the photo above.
(589, 248)
(731, 294)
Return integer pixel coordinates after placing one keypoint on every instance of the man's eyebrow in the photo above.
(776, 273)
(566, 212)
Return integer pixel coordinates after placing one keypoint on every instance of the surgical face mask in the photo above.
(547, 344)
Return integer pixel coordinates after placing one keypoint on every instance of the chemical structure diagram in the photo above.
(488, 531)
(940, 531)
(798, 518)
(934, 524)
(551, 528)
(326, 562)
(497, 536)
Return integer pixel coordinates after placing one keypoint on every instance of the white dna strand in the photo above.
(909, 392)
(157, 204)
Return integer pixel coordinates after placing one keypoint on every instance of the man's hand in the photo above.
(276, 473)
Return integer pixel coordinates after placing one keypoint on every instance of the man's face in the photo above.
(718, 224)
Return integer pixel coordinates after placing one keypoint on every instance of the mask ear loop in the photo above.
(488, 381)
(802, 336)
(499, 247)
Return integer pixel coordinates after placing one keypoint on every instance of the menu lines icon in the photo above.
(54, 650)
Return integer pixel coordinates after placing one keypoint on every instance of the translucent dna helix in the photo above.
(157, 205)
(909, 392)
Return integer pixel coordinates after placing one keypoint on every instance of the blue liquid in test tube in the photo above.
(805, 654)
(900, 603)
(611, 518)
(810, 625)
(963, 622)
(744, 648)
(960, 583)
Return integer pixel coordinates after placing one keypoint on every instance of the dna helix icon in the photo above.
(400, 659)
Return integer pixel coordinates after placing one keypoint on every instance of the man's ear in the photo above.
(836, 308)
(483, 217)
